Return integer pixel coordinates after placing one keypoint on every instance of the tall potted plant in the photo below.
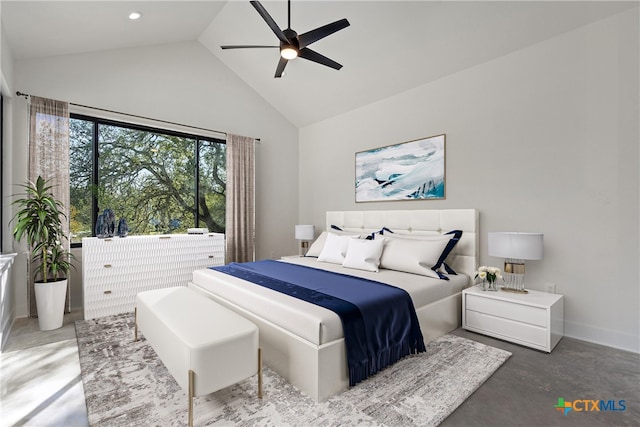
(39, 221)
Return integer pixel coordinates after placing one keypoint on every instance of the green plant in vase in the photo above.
(39, 222)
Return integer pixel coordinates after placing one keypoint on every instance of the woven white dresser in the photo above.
(115, 269)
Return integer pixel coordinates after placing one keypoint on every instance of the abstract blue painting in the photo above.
(411, 170)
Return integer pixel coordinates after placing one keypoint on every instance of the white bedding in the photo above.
(313, 323)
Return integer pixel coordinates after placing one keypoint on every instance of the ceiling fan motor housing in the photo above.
(292, 49)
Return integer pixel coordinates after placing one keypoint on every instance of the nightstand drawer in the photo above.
(507, 329)
(518, 312)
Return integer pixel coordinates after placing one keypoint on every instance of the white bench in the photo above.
(204, 345)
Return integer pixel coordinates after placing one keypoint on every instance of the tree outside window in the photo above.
(160, 182)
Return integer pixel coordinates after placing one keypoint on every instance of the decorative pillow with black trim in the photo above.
(427, 258)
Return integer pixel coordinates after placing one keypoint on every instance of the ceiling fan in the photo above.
(293, 44)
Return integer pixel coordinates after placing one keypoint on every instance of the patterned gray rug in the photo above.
(126, 384)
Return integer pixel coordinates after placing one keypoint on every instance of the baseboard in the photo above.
(608, 337)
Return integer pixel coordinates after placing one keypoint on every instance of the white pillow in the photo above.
(317, 246)
(364, 254)
(410, 236)
(414, 256)
(335, 248)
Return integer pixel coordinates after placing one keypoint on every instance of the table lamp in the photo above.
(304, 233)
(515, 247)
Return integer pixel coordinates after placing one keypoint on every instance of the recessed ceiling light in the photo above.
(135, 15)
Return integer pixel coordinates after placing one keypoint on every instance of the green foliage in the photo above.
(147, 177)
(39, 222)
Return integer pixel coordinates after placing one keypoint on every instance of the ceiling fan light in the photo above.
(288, 52)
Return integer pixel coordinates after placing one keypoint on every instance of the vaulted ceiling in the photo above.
(390, 46)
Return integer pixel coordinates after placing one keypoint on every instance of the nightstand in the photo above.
(291, 257)
(535, 319)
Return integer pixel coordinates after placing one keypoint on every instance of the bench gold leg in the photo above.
(191, 392)
(135, 328)
(259, 373)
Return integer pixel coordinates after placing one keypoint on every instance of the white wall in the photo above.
(180, 83)
(544, 139)
(8, 295)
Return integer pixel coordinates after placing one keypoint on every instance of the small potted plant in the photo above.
(39, 221)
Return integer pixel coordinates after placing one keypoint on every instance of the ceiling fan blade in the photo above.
(281, 64)
(314, 56)
(269, 20)
(245, 46)
(321, 32)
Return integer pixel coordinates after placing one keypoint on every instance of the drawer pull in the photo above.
(211, 257)
(107, 240)
(107, 292)
(107, 266)
(164, 237)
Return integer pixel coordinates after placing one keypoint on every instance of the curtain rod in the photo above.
(26, 95)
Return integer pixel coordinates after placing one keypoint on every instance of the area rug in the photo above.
(127, 385)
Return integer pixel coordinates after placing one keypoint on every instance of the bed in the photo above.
(304, 343)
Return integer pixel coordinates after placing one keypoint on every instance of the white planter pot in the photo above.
(50, 298)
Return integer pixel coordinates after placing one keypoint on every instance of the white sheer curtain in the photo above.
(240, 215)
(49, 158)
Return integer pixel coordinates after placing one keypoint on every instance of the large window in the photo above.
(160, 181)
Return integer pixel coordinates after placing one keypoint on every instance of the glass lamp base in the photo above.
(513, 275)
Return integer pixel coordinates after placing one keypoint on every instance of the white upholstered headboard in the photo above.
(463, 259)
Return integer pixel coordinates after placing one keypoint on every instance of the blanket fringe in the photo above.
(361, 371)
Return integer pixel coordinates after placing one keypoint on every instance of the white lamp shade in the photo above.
(516, 245)
(305, 232)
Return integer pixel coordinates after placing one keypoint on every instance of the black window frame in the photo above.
(97, 121)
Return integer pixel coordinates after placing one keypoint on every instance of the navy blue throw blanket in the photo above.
(379, 321)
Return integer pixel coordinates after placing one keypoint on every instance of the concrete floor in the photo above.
(524, 391)
(41, 383)
(40, 376)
